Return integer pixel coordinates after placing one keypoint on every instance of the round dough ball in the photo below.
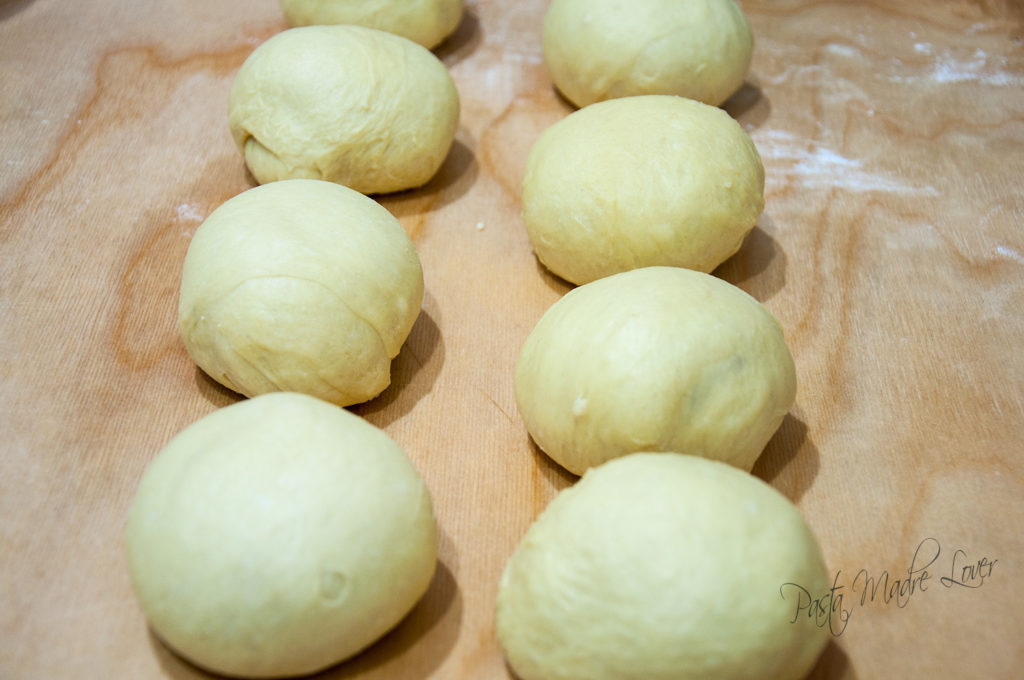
(278, 536)
(348, 104)
(662, 567)
(641, 181)
(300, 286)
(603, 49)
(656, 359)
(426, 22)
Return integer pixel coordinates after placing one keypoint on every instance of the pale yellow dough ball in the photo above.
(300, 286)
(663, 567)
(426, 22)
(641, 181)
(655, 359)
(604, 49)
(278, 536)
(348, 104)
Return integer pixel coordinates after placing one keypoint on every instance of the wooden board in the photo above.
(891, 250)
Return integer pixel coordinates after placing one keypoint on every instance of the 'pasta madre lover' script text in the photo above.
(831, 609)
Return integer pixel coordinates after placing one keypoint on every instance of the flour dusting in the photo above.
(805, 163)
(189, 212)
(1010, 254)
(842, 50)
(948, 68)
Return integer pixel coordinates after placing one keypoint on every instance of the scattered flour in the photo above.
(795, 160)
(843, 50)
(189, 212)
(1010, 254)
(947, 67)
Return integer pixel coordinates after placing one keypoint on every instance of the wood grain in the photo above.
(891, 250)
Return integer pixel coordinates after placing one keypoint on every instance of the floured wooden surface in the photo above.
(891, 250)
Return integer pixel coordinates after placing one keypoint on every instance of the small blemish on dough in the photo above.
(333, 586)
(579, 407)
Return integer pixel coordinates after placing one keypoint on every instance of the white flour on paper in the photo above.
(948, 68)
(793, 160)
(1010, 254)
(190, 212)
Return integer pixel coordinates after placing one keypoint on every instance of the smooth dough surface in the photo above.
(655, 359)
(641, 181)
(662, 567)
(348, 104)
(604, 49)
(301, 286)
(278, 536)
(426, 22)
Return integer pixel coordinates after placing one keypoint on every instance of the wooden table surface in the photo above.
(891, 250)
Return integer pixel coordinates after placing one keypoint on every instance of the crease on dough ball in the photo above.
(254, 353)
(300, 285)
(346, 104)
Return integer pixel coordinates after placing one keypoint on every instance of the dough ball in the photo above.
(662, 567)
(641, 181)
(347, 104)
(300, 286)
(655, 359)
(278, 536)
(426, 22)
(603, 49)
